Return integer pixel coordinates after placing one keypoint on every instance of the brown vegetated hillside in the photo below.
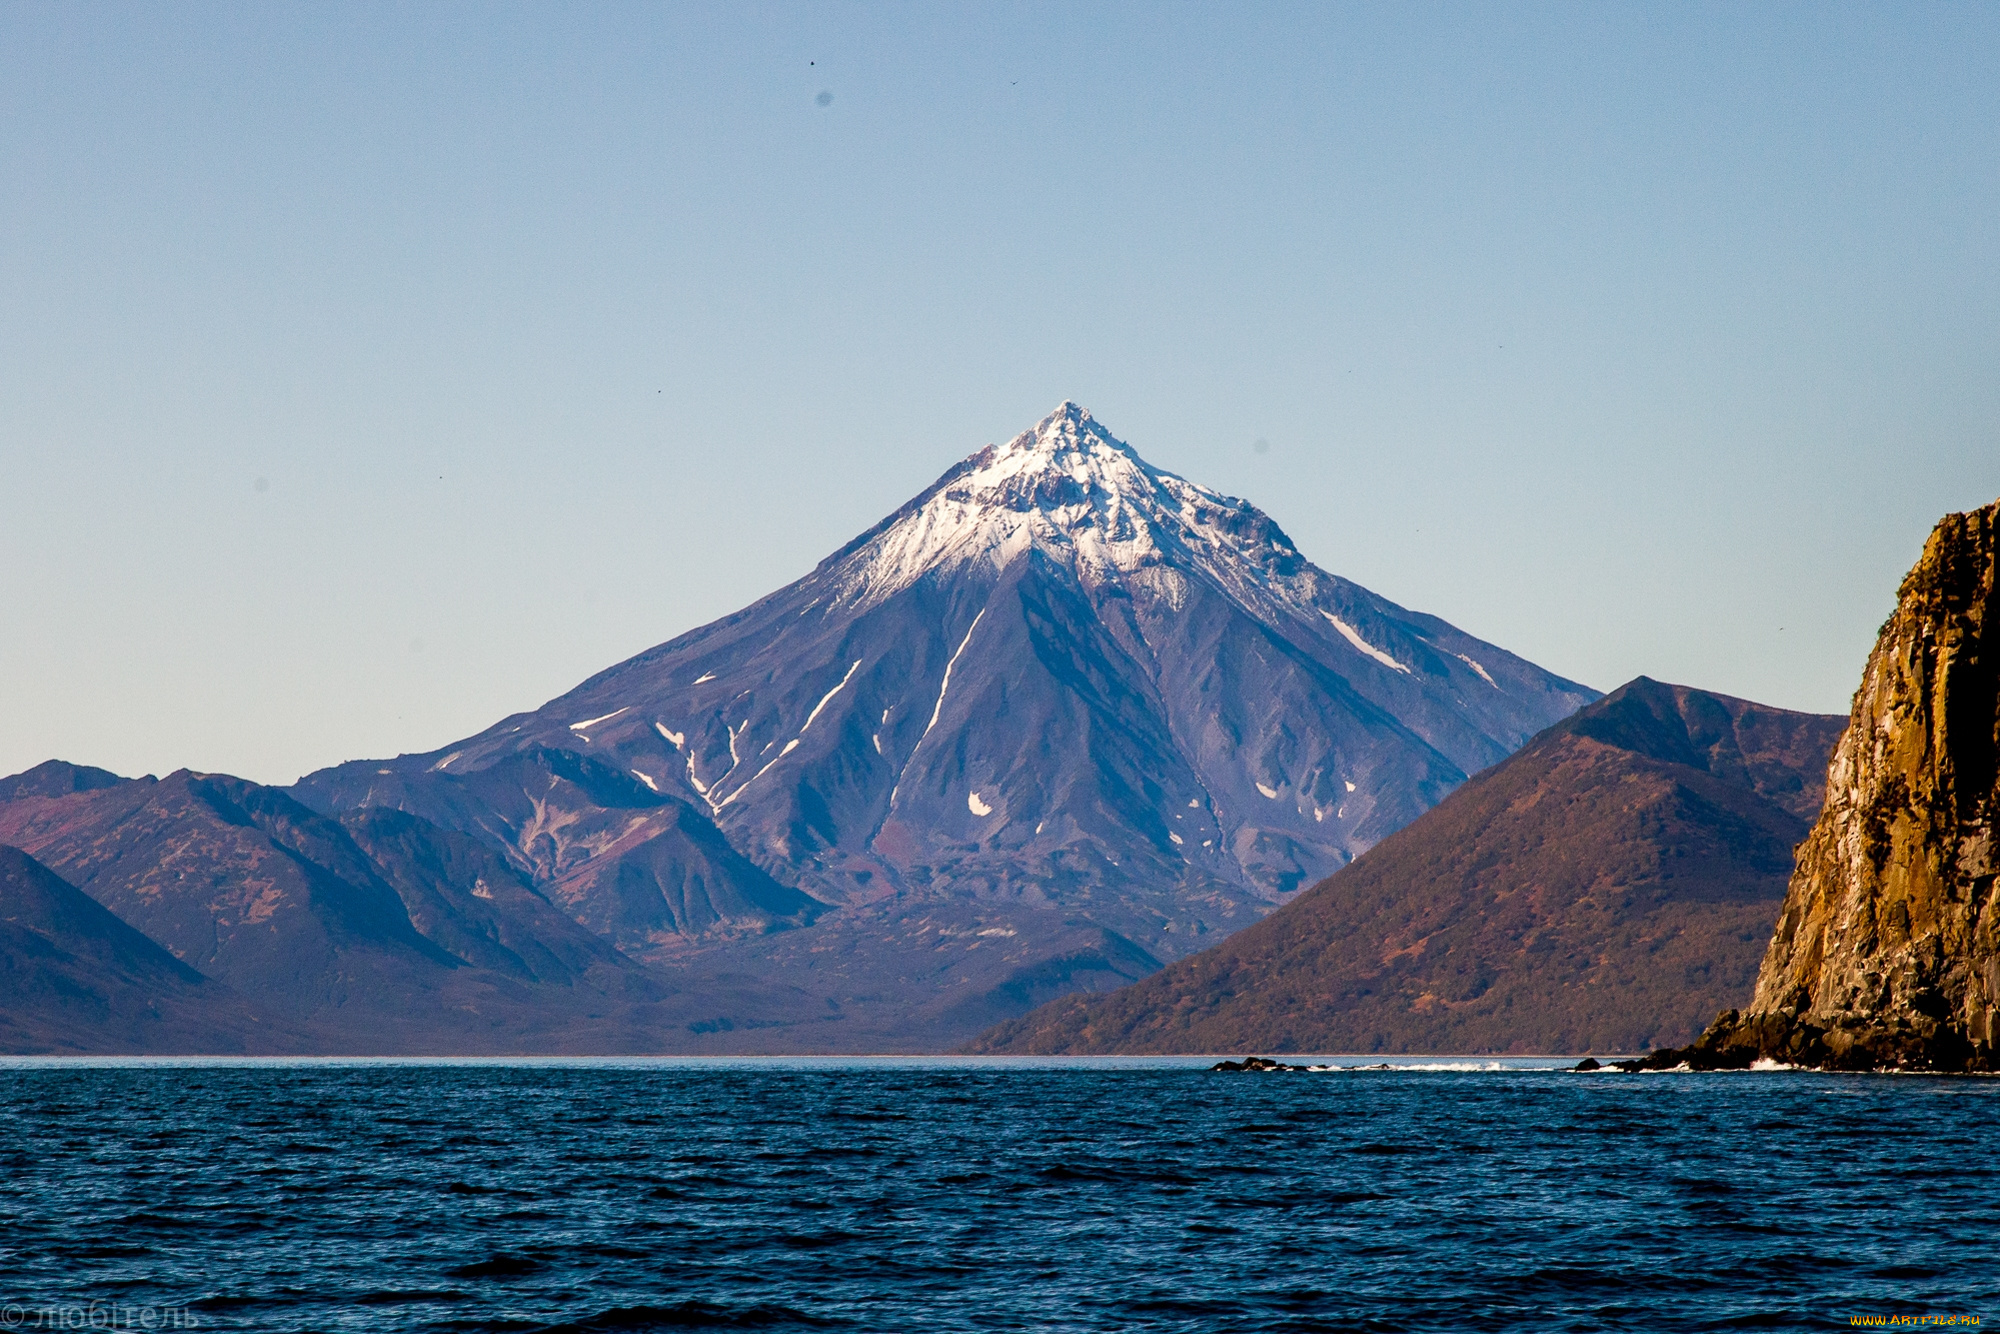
(76, 979)
(204, 913)
(1607, 888)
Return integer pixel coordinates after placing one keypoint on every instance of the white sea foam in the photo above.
(1442, 1066)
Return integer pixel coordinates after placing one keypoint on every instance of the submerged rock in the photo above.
(1887, 951)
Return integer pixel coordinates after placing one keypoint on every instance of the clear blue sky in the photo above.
(368, 373)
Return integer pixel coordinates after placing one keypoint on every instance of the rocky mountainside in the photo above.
(646, 870)
(1059, 718)
(1887, 951)
(252, 923)
(1605, 889)
(77, 979)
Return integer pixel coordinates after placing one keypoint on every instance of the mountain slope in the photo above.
(381, 933)
(76, 979)
(1606, 888)
(1062, 698)
(644, 869)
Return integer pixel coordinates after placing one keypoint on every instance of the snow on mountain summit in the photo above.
(1071, 490)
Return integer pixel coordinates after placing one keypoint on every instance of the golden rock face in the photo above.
(1887, 952)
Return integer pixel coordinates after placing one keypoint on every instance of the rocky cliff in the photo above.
(1887, 951)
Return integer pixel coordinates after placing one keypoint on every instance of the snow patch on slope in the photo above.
(1477, 668)
(789, 746)
(829, 695)
(1353, 637)
(945, 685)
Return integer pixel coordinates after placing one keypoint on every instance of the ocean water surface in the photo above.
(946, 1195)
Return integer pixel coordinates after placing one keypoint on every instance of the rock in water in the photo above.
(1887, 952)
(1256, 1065)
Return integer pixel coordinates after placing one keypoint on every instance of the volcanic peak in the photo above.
(1069, 442)
(1074, 492)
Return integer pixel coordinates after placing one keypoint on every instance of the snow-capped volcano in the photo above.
(1061, 716)
(1072, 492)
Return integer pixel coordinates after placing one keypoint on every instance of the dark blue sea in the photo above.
(970, 1195)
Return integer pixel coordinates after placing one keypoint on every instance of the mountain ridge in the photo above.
(1599, 890)
(376, 934)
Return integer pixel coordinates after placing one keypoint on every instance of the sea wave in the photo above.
(962, 1198)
